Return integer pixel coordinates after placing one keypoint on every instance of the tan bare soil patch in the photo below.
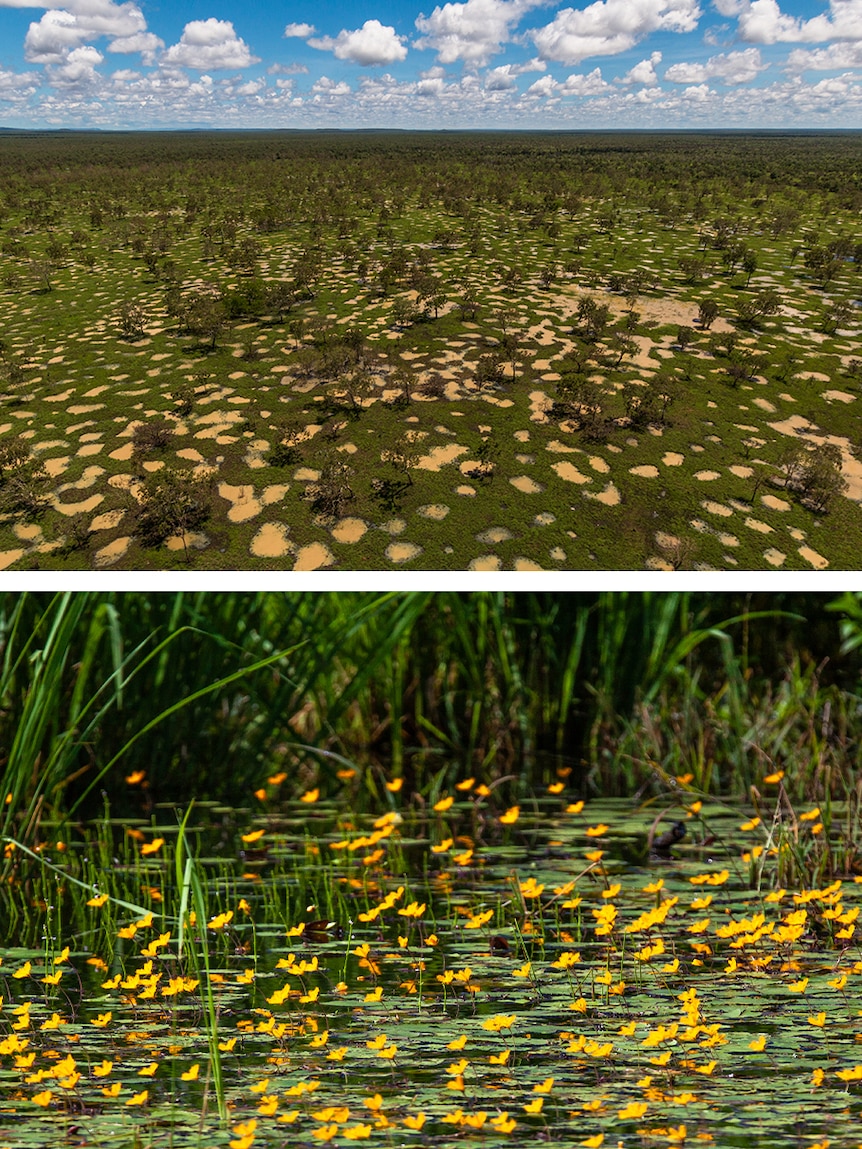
(113, 551)
(271, 541)
(108, 520)
(570, 473)
(313, 557)
(610, 496)
(817, 561)
(485, 563)
(494, 535)
(244, 504)
(839, 396)
(526, 484)
(349, 530)
(402, 552)
(438, 457)
(436, 511)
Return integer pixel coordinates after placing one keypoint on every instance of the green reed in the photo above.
(210, 694)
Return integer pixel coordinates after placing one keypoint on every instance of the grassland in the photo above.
(404, 351)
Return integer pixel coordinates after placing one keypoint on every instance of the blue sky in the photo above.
(418, 64)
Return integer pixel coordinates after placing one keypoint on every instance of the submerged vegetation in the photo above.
(601, 887)
(443, 351)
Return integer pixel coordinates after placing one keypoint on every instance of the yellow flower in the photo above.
(139, 1098)
(443, 805)
(511, 816)
(356, 1132)
(147, 849)
(499, 1021)
(503, 1123)
(310, 796)
(634, 1109)
(597, 831)
(43, 1099)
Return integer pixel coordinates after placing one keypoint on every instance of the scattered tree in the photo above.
(131, 320)
(285, 448)
(707, 312)
(171, 504)
(153, 436)
(23, 481)
(331, 494)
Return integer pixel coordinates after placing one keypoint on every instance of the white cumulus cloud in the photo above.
(732, 68)
(644, 71)
(502, 79)
(302, 31)
(472, 31)
(697, 93)
(209, 44)
(61, 29)
(763, 22)
(78, 69)
(148, 44)
(609, 27)
(543, 88)
(590, 84)
(373, 43)
(844, 54)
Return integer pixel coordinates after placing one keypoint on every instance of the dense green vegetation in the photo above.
(376, 350)
(211, 693)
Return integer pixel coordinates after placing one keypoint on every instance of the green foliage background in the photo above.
(211, 693)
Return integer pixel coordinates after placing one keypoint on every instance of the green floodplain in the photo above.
(396, 350)
(430, 870)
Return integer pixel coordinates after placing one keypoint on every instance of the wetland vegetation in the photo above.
(395, 350)
(318, 869)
